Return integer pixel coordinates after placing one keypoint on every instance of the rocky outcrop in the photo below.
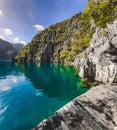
(47, 53)
(100, 62)
(65, 40)
(8, 50)
(58, 43)
(94, 110)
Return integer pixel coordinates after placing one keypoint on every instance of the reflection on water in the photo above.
(55, 80)
(29, 93)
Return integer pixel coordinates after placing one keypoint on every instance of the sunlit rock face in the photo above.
(94, 110)
(101, 61)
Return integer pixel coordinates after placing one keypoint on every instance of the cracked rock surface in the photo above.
(100, 62)
(94, 110)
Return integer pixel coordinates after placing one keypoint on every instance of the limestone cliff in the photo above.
(101, 60)
(55, 44)
(88, 39)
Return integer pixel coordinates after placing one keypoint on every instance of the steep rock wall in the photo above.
(101, 57)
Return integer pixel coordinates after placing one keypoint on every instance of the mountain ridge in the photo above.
(9, 50)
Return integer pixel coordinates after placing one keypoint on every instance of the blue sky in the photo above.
(20, 20)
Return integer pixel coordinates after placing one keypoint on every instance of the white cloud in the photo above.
(38, 27)
(17, 40)
(2, 37)
(23, 42)
(1, 12)
(6, 34)
(7, 31)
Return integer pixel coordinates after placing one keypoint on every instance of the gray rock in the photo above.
(101, 61)
(92, 23)
(94, 110)
(47, 53)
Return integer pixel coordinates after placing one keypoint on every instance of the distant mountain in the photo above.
(8, 50)
(18, 46)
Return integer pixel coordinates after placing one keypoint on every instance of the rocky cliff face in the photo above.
(67, 42)
(53, 44)
(8, 51)
(101, 57)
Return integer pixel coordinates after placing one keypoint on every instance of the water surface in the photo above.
(29, 93)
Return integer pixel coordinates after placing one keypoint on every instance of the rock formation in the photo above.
(94, 110)
(52, 44)
(101, 57)
(88, 39)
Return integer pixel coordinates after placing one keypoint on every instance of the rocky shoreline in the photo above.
(89, 41)
(97, 108)
(94, 110)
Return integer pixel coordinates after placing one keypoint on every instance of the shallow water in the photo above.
(29, 93)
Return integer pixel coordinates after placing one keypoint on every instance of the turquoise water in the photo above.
(29, 93)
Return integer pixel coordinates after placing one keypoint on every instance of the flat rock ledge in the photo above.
(94, 110)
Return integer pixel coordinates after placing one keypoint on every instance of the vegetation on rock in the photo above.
(88, 83)
(63, 41)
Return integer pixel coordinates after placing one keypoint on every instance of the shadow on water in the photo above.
(55, 80)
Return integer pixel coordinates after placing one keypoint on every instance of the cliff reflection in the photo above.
(55, 80)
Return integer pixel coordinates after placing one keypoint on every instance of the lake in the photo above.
(31, 92)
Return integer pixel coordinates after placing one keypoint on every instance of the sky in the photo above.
(20, 20)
